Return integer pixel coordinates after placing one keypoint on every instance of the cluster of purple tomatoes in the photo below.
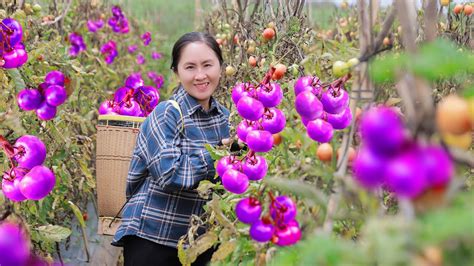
(322, 110)
(28, 178)
(46, 98)
(133, 99)
(12, 51)
(280, 226)
(390, 157)
(261, 119)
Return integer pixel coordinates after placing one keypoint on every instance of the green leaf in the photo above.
(469, 93)
(53, 233)
(77, 213)
(445, 224)
(320, 250)
(440, 59)
(383, 69)
(17, 79)
(298, 188)
(215, 153)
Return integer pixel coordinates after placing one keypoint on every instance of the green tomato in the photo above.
(340, 68)
(353, 61)
(36, 8)
(294, 70)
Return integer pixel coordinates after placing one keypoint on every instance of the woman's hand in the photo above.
(226, 142)
(235, 146)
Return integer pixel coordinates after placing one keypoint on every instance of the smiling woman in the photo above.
(199, 70)
(170, 160)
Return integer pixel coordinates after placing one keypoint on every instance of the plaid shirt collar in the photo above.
(190, 105)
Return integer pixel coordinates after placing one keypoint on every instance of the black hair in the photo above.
(190, 38)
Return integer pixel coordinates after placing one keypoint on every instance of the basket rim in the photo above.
(122, 118)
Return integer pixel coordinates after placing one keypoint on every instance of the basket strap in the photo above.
(176, 105)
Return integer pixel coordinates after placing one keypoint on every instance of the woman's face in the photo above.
(199, 71)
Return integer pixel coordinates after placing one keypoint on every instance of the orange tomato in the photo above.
(358, 113)
(252, 61)
(467, 10)
(457, 9)
(277, 139)
(280, 71)
(452, 115)
(268, 34)
(351, 153)
(324, 152)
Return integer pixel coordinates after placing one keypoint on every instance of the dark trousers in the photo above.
(141, 252)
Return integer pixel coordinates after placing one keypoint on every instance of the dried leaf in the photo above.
(224, 250)
(393, 101)
(202, 244)
(204, 188)
(182, 253)
(221, 218)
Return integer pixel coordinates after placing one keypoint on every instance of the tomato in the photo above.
(280, 71)
(452, 115)
(340, 68)
(277, 139)
(252, 61)
(236, 39)
(358, 113)
(467, 10)
(470, 111)
(351, 154)
(457, 9)
(352, 62)
(344, 5)
(324, 152)
(268, 34)
(230, 70)
(444, 2)
(462, 141)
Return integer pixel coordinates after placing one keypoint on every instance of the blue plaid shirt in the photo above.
(172, 162)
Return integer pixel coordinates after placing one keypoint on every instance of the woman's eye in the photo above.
(207, 65)
(189, 67)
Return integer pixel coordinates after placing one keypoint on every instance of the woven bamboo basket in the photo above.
(116, 138)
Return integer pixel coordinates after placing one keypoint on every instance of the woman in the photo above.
(171, 160)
